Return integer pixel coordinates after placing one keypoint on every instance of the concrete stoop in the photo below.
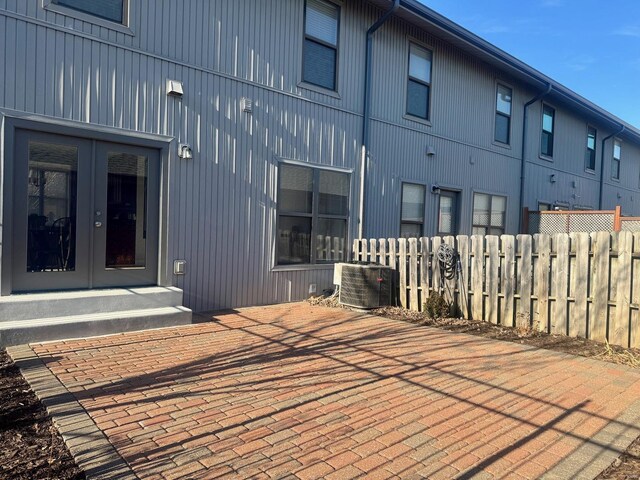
(38, 317)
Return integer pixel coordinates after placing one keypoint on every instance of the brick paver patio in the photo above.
(325, 393)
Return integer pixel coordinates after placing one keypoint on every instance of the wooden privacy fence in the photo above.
(577, 284)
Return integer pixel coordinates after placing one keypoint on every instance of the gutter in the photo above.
(622, 129)
(523, 160)
(367, 109)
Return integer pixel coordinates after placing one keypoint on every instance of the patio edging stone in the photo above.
(89, 446)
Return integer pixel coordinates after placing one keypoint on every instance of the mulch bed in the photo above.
(627, 466)
(30, 446)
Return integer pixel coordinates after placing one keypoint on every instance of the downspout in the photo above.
(367, 109)
(523, 166)
(622, 128)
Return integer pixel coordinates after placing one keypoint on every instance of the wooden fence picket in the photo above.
(524, 273)
(402, 271)
(413, 274)
(560, 246)
(542, 246)
(463, 281)
(493, 262)
(580, 280)
(508, 282)
(363, 251)
(635, 278)
(619, 324)
(435, 272)
(382, 242)
(477, 272)
(424, 269)
(600, 290)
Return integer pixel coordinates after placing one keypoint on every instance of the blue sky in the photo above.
(591, 47)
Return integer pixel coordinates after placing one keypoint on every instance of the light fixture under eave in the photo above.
(185, 151)
(431, 151)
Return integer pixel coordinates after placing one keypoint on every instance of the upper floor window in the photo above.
(412, 214)
(112, 10)
(590, 158)
(320, 52)
(548, 120)
(489, 214)
(615, 162)
(419, 82)
(503, 115)
(313, 212)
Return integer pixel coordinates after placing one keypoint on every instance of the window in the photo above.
(313, 212)
(419, 82)
(615, 162)
(448, 213)
(412, 210)
(112, 10)
(489, 213)
(548, 119)
(544, 206)
(590, 158)
(503, 115)
(320, 52)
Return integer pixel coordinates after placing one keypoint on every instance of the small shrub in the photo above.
(436, 306)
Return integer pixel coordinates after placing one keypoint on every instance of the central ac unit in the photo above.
(365, 286)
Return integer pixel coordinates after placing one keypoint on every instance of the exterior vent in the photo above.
(247, 105)
(365, 286)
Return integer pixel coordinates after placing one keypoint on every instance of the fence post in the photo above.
(402, 271)
(413, 274)
(617, 219)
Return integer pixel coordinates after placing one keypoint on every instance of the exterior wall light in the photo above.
(552, 178)
(435, 189)
(185, 152)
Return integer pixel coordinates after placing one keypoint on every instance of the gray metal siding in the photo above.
(222, 213)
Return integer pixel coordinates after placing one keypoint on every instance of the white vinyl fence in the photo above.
(577, 284)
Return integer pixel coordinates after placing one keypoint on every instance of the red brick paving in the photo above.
(327, 393)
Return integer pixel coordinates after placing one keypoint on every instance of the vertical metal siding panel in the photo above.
(10, 64)
(3, 58)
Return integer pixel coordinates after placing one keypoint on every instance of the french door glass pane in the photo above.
(294, 240)
(52, 207)
(126, 216)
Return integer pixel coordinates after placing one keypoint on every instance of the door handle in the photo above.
(98, 224)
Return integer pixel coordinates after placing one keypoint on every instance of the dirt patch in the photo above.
(627, 467)
(30, 446)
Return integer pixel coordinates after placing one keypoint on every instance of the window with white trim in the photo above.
(412, 210)
(489, 214)
(320, 49)
(112, 10)
(419, 82)
(313, 214)
(615, 161)
(502, 132)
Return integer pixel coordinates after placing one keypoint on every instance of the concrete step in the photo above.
(30, 306)
(80, 326)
